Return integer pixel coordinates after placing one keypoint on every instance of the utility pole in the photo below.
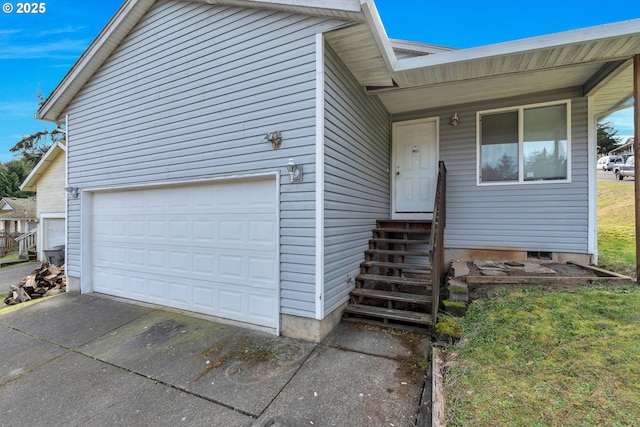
(636, 154)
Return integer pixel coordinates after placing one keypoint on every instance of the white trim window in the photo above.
(526, 144)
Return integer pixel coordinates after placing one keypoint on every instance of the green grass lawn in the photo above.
(616, 228)
(540, 357)
(11, 256)
(548, 358)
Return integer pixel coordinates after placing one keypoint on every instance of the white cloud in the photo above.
(63, 49)
(622, 121)
(4, 33)
(66, 30)
(17, 110)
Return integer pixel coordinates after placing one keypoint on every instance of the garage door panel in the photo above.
(261, 307)
(207, 248)
(231, 232)
(204, 264)
(156, 259)
(157, 229)
(138, 229)
(179, 230)
(205, 297)
(262, 272)
(137, 258)
(203, 231)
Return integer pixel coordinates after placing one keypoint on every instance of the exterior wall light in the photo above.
(454, 119)
(72, 192)
(295, 171)
(275, 138)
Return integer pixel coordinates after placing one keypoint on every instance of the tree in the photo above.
(12, 174)
(505, 170)
(607, 139)
(31, 148)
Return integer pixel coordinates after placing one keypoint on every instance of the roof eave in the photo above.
(29, 184)
(344, 8)
(92, 58)
(374, 21)
(618, 29)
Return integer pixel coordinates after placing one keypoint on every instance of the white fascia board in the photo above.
(320, 118)
(618, 29)
(379, 33)
(98, 51)
(423, 48)
(592, 149)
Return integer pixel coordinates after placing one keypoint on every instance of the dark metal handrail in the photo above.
(436, 249)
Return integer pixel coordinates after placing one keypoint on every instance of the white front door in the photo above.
(415, 168)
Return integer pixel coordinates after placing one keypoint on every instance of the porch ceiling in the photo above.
(597, 60)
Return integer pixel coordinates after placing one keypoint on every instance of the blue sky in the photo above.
(36, 50)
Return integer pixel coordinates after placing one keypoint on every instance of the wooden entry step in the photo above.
(394, 287)
(388, 314)
(390, 295)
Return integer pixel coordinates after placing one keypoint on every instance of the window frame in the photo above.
(520, 110)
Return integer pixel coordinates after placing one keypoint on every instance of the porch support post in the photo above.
(636, 154)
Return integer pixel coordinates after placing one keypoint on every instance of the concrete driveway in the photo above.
(93, 360)
(11, 274)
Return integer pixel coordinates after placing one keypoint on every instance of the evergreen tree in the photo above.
(607, 139)
(12, 174)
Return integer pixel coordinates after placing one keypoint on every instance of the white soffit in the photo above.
(553, 62)
(468, 91)
(357, 50)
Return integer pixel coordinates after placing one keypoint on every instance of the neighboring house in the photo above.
(173, 113)
(626, 148)
(47, 179)
(17, 215)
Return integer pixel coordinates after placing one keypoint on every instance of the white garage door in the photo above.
(211, 248)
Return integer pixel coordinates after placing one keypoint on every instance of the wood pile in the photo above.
(44, 281)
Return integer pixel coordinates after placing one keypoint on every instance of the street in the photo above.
(609, 176)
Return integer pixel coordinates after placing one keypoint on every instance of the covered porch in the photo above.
(590, 70)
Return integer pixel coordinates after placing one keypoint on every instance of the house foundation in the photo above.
(73, 284)
(452, 255)
(310, 329)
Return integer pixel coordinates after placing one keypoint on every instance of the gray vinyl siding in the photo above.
(190, 94)
(356, 176)
(550, 217)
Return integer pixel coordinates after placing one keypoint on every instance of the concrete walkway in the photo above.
(92, 360)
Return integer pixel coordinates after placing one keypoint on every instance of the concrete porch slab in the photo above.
(376, 341)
